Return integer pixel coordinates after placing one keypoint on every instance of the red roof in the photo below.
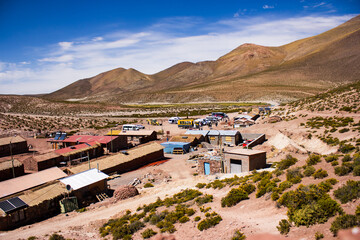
(86, 139)
(75, 147)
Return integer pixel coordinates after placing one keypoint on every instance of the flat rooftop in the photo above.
(242, 151)
(15, 185)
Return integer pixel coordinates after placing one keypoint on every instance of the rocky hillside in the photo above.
(249, 72)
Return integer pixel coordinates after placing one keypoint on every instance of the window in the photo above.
(212, 138)
(228, 139)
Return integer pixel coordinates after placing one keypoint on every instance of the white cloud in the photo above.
(268, 7)
(95, 39)
(319, 4)
(65, 45)
(155, 48)
(63, 58)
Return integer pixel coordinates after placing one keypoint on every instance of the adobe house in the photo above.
(31, 205)
(192, 139)
(6, 169)
(43, 161)
(13, 145)
(210, 165)
(244, 160)
(32, 202)
(19, 184)
(140, 136)
(86, 185)
(81, 152)
(110, 143)
(126, 160)
(229, 137)
(203, 133)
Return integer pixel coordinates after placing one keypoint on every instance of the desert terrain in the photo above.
(301, 133)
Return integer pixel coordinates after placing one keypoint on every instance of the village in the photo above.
(84, 180)
(43, 177)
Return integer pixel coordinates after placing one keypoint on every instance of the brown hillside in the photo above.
(249, 72)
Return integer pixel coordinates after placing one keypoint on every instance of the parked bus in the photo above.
(186, 123)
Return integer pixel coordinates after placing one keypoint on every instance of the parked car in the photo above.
(174, 120)
(130, 127)
(140, 126)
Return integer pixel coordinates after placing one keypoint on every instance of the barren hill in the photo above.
(249, 72)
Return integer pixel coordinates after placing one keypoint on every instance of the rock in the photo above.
(124, 192)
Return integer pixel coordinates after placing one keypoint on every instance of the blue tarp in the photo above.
(170, 146)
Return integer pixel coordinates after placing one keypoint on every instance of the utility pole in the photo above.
(111, 140)
(12, 159)
(88, 159)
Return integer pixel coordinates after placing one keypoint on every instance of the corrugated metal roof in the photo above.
(77, 148)
(22, 183)
(223, 132)
(84, 179)
(86, 139)
(228, 132)
(196, 132)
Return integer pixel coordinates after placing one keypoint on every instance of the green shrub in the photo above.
(286, 163)
(344, 222)
(190, 212)
(318, 212)
(334, 163)
(56, 236)
(348, 192)
(284, 227)
(204, 199)
(234, 197)
(148, 185)
(264, 186)
(313, 160)
(32, 238)
(148, 233)
(342, 170)
(197, 218)
(319, 236)
(320, 173)
(344, 130)
(356, 171)
(346, 147)
(294, 175)
(248, 187)
(275, 196)
(309, 170)
(184, 219)
(238, 235)
(216, 184)
(209, 222)
(357, 211)
(346, 158)
(200, 185)
(308, 205)
(331, 158)
(285, 185)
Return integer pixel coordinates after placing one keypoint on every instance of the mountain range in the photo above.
(249, 72)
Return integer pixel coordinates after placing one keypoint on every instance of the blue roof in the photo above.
(197, 132)
(174, 143)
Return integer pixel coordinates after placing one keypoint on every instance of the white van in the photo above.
(130, 127)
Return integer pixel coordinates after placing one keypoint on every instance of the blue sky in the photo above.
(46, 45)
